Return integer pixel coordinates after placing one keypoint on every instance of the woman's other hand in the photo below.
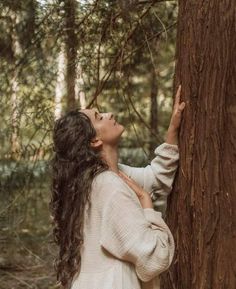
(144, 197)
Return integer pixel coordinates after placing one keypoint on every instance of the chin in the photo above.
(122, 129)
(119, 135)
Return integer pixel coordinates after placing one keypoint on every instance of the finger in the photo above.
(125, 178)
(177, 96)
(123, 175)
(128, 181)
(181, 107)
(131, 183)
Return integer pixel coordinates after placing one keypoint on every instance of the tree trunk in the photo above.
(153, 113)
(71, 52)
(201, 208)
(60, 84)
(15, 117)
(80, 93)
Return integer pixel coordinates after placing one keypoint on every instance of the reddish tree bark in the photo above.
(201, 209)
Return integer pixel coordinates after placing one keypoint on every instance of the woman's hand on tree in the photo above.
(177, 112)
(144, 197)
(173, 129)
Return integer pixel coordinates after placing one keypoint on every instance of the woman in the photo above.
(108, 233)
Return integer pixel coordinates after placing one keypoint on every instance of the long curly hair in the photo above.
(74, 166)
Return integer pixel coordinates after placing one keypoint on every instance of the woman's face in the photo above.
(108, 130)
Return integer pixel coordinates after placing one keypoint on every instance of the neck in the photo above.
(110, 155)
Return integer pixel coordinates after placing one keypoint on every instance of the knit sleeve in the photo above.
(136, 235)
(157, 177)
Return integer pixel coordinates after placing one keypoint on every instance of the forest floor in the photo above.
(27, 262)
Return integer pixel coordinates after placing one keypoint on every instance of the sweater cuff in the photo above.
(172, 149)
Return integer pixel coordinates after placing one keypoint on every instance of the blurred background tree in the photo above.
(56, 55)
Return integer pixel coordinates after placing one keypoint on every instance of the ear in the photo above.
(96, 143)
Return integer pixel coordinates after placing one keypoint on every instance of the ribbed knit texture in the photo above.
(126, 246)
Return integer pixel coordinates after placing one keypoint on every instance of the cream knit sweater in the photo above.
(126, 246)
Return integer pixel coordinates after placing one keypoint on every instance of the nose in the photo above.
(108, 115)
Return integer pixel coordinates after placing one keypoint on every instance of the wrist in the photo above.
(146, 202)
(172, 136)
(173, 129)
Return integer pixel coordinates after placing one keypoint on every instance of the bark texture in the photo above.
(202, 205)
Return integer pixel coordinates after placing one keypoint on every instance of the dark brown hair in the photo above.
(74, 166)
